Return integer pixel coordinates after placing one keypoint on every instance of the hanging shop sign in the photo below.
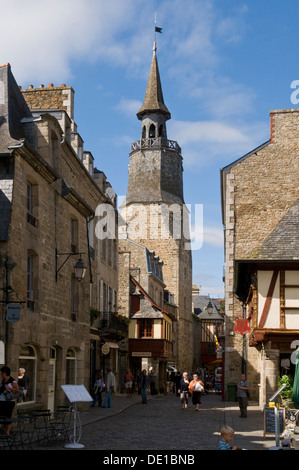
(242, 326)
(105, 349)
(13, 312)
(141, 354)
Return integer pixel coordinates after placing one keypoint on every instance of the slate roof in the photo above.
(283, 242)
(155, 307)
(13, 108)
(153, 100)
(200, 303)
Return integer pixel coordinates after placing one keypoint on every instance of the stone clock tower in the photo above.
(155, 212)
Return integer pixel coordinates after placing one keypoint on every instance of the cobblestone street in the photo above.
(162, 425)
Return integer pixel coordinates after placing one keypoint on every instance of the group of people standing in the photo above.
(144, 381)
(16, 388)
(190, 385)
(100, 387)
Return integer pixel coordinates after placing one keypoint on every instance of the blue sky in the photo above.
(224, 64)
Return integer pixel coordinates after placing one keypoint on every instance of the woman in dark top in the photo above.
(6, 407)
(23, 382)
(184, 390)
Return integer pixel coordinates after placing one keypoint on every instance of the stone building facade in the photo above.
(260, 216)
(155, 212)
(143, 298)
(49, 198)
(209, 340)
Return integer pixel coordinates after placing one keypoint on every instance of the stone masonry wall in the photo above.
(260, 190)
(50, 324)
(265, 185)
(177, 273)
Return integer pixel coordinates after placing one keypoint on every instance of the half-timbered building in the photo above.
(260, 207)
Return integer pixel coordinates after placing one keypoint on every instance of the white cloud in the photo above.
(212, 290)
(43, 41)
(49, 40)
(208, 282)
(213, 236)
(205, 143)
(128, 107)
(207, 131)
(206, 235)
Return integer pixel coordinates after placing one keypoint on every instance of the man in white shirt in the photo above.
(110, 387)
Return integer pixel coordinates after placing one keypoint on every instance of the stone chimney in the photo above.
(284, 127)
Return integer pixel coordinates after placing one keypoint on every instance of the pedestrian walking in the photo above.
(184, 391)
(177, 381)
(128, 379)
(9, 384)
(143, 381)
(227, 435)
(110, 388)
(98, 388)
(242, 395)
(152, 379)
(196, 388)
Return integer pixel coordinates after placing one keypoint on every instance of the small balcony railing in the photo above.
(150, 347)
(155, 143)
(109, 321)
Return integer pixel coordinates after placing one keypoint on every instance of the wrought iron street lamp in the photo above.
(80, 269)
(210, 308)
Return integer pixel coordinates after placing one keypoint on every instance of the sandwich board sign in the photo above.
(75, 394)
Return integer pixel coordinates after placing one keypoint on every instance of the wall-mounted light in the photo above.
(80, 269)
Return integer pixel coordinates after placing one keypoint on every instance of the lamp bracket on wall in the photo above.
(80, 269)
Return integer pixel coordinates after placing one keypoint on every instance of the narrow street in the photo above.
(162, 425)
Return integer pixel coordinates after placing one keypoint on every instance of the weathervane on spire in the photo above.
(157, 30)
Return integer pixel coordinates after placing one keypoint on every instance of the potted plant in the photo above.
(94, 313)
(287, 392)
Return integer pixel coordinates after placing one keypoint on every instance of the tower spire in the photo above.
(153, 100)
